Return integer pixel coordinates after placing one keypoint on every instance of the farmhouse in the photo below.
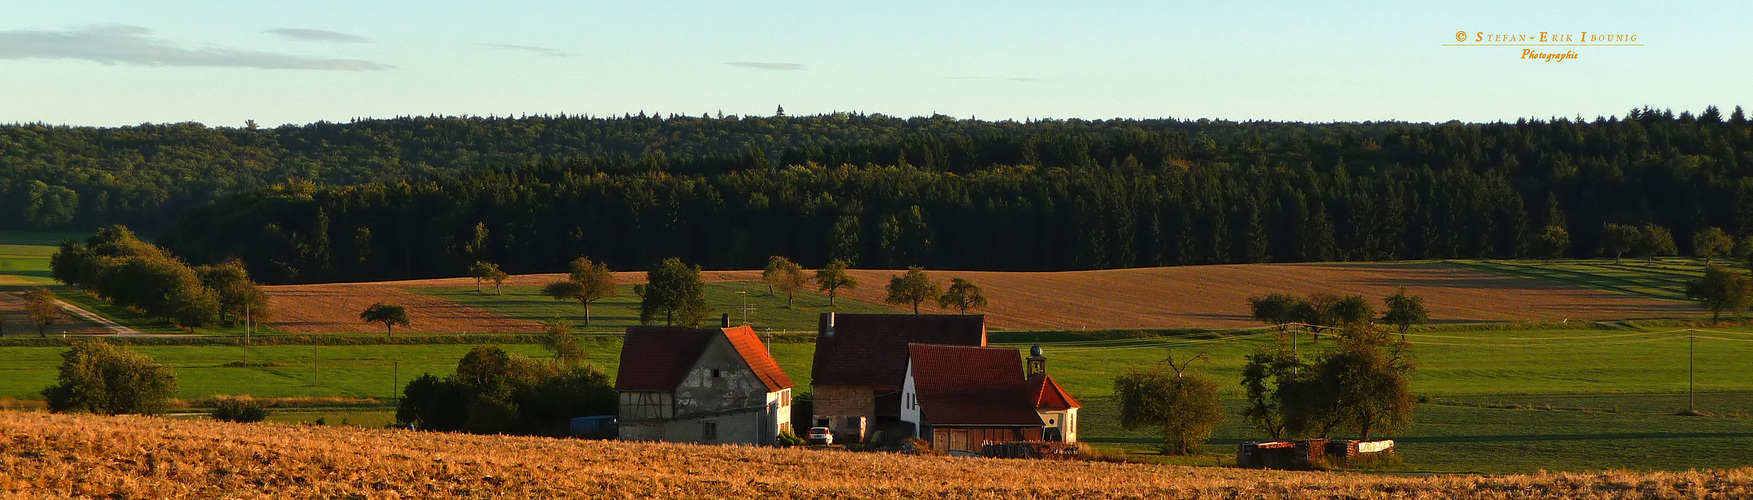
(711, 385)
(861, 362)
(962, 397)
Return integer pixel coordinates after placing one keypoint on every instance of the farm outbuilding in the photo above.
(861, 363)
(712, 385)
(961, 398)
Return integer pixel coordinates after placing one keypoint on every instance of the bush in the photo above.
(787, 440)
(107, 380)
(1182, 407)
(240, 409)
(495, 392)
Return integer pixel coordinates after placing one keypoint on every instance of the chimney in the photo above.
(828, 331)
(724, 321)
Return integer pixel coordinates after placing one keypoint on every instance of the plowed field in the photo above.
(1165, 297)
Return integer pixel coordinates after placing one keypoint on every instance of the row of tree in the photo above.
(117, 266)
(1361, 384)
(496, 392)
(149, 174)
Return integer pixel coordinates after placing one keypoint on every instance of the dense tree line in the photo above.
(116, 266)
(877, 190)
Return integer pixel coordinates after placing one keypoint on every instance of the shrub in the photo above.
(1182, 407)
(787, 440)
(239, 409)
(107, 380)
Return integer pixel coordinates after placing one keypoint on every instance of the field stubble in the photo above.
(43, 455)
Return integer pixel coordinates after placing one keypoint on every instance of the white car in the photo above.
(820, 435)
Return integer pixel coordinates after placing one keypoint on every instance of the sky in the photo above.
(109, 63)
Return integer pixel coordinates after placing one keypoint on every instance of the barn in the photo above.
(861, 362)
(960, 398)
(701, 385)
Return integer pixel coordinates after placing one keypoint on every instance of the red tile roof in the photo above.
(657, 358)
(871, 349)
(749, 346)
(972, 386)
(1047, 394)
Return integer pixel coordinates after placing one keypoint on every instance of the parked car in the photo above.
(820, 435)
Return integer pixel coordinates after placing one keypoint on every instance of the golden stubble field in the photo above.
(1162, 297)
(54, 456)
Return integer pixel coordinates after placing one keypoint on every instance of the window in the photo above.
(708, 431)
(715, 373)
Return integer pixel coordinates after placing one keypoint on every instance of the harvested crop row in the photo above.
(134, 457)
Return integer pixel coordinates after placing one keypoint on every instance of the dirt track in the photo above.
(1166, 297)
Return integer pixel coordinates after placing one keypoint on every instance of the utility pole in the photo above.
(246, 335)
(1692, 372)
(316, 377)
(396, 381)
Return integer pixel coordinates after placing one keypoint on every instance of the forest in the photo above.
(428, 196)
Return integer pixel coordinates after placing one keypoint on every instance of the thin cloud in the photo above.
(124, 44)
(1018, 79)
(311, 35)
(528, 48)
(775, 66)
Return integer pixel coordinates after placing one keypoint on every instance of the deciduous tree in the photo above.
(107, 380)
(1182, 407)
(833, 277)
(43, 308)
(1404, 311)
(1721, 289)
(962, 295)
(913, 288)
(1711, 242)
(675, 291)
(389, 315)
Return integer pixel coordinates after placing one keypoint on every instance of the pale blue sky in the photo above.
(220, 63)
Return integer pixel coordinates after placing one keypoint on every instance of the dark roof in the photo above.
(753, 352)
(871, 349)
(972, 386)
(656, 358)
(1048, 395)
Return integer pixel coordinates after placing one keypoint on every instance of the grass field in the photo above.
(615, 314)
(24, 256)
(1501, 401)
(1665, 278)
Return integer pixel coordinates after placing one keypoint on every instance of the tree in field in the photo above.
(1325, 311)
(238, 295)
(42, 307)
(481, 271)
(1362, 385)
(1264, 376)
(912, 289)
(962, 296)
(1370, 379)
(107, 380)
(1182, 406)
(770, 275)
(389, 315)
(1277, 309)
(484, 271)
(557, 338)
(1654, 241)
(1721, 289)
(588, 282)
(1711, 242)
(1743, 251)
(832, 278)
(675, 291)
(1404, 311)
(1551, 243)
(785, 275)
(1619, 239)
